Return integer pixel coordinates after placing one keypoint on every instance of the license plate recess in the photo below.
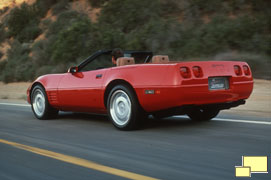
(218, 83)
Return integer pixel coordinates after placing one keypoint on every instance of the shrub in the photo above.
(97, 3)
(2, 63)
(60, 6)
(129, 16)
(43, 6)
(40, 55)
(156, 35)
(222, 34)
(18, 66)
(2, 33)
(63, 21)
(4, 10)
(31, 32)
(22, 22)
(71, 42)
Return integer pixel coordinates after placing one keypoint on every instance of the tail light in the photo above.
(197, 71)
(246, 70)
(185, 72)
(237, 70)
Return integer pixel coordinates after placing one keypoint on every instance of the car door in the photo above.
(82, 91)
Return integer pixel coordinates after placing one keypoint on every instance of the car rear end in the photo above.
(221, 83)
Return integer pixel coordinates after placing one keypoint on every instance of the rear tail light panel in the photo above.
(246, 70)
(185, 72)
(197, 71)
(237, 70)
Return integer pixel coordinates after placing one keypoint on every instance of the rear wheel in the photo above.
(199, 114)
(40, 105)
(123, 108)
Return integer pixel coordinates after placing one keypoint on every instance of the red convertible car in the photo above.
(142, 84)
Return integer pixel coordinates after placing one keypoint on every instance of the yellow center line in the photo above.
(79, 161)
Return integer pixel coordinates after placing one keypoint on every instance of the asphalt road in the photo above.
(173, 148)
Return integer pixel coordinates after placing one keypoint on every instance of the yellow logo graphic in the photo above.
(251, 164)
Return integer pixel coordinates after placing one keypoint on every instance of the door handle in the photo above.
(98, 76)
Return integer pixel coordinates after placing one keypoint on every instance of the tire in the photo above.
(40, 104)
(203, 114)
(123, 108)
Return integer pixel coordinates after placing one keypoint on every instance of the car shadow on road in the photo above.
(148, 123)
(82, 116)
(170, 122)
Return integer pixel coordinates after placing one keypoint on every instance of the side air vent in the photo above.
(52, 96)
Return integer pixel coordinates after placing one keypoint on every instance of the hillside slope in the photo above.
(38, 37)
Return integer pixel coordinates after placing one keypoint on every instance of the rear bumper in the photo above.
(185, 109)
(195, 95)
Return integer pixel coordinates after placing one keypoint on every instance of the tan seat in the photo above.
(125, 61)
(160, 59)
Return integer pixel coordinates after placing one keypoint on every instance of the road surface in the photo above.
(84, 146)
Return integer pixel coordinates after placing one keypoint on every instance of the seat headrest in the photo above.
(125, 61)
(160, 59)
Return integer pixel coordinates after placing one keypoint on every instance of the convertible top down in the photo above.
(142, 84)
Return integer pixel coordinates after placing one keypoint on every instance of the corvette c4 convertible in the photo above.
(142, 84)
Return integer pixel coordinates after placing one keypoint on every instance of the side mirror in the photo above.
(73, 70)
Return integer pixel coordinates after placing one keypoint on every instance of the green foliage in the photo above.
(222, 34)
(138, 25)
(71, 42)
(63, 21)
(70, 38)
(40, 55)
(129, 16)
(180, 28)
(43, 6)
(2, 67)
(156, 35)
(4, 10)
(60, 6)
(31, 32)
(2, 33)
(18, 66)
(97, 3)
(23, 23)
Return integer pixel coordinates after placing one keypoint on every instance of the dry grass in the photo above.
(4, 47)
(13, 90)
(83, 6)
(12, 3)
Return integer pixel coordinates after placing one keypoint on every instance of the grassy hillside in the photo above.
(49, 36)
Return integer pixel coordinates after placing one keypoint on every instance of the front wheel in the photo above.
(40, 105)
(123, 108)
(198, 114)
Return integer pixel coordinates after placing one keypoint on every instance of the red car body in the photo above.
(158, 86)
